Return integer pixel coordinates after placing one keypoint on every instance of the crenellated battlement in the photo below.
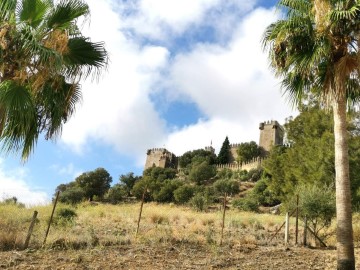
(271, 133)
(251, 164)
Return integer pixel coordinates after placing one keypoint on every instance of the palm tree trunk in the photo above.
(344, 233)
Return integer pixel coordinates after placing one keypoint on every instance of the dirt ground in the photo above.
(178, 256)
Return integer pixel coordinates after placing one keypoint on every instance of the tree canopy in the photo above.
(223, 156)
(94, 183)
(43, 57)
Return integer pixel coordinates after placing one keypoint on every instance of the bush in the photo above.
(184, 193)
(249, 203)
(116, 194)
(72, 195)
(198, 202)
(166, 192)
(229, 187)
(64, 216)
(317, 204)
(263, 195)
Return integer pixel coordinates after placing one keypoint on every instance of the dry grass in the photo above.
(104, 225)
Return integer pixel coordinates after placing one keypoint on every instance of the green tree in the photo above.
(196, 156)
(43, 57)
(202, 172)
(128, 180)
(223, 156)
(72, 195)
(247, 151)
(184, 193)
(226, 186)
(116, 193)
(94, 183)
(315, 48)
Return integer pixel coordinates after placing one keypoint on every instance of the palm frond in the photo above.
(84, 56)
(20, 119)
(56, 103)
(7, 9)
(33, 12)
(65, 12)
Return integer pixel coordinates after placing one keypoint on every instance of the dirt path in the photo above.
(179, 256)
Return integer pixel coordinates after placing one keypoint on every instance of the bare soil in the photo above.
(173, 256)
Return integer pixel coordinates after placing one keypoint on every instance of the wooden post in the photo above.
(287, 228)
(51, 217)
(27, 241)
(282, 225)
(297, 220)
(305, 231)
(141, 207)
(223, 219)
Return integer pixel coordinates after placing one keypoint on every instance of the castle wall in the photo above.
(253, 164)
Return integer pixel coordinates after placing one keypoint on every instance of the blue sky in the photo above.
(183, 73)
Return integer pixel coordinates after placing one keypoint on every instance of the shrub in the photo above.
(116, 194)
(263, 195)
(198, 202)
(184, 193)
(227, 186)
(72, 195)
(316, 203)
(249, 203)
(64, 216)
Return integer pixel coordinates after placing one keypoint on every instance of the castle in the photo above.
(271, 133)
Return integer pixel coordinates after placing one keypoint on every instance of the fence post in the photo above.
(141, 207)
(51, 217)
(297, 220)
(305, 231)
(27, 241)
(223, 219)
(287, 228)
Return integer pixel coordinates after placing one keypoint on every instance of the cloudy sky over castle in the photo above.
(183, 73)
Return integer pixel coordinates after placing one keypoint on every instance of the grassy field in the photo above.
(102, 236)
(106, 224)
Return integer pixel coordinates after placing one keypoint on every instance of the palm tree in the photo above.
(43, 57)
(315, 49)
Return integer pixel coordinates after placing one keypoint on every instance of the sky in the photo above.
(183, 74)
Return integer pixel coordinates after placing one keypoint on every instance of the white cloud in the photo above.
(13, 183)
(157, 19)
(230, 83)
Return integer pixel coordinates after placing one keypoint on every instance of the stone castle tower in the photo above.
(271, 133)
(160, 157)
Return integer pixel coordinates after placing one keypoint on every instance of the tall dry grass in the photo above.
(105, 224)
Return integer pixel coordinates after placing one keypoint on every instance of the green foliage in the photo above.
(198, 202)
(262, 195)
(226, 186)
(166, 190)
(161, 174)
(43, 59)
(223, 156)
(94, 183)
(225, 174)
(184, 193)
(248, 203)
(200, 173)
(196, 156)
(72, 195)
(247, 151)
(116, 193)
(309, 160)
(13, 201)
(128, 181)
(317, 204)
(64, 216)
